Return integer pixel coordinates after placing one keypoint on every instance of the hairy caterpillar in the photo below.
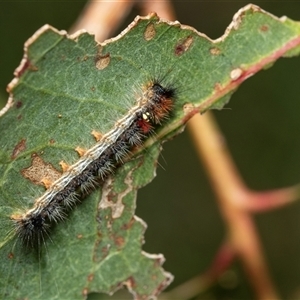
(152, 108)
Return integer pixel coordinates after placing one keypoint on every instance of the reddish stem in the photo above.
(230, 190)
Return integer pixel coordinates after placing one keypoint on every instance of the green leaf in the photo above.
(65, 88)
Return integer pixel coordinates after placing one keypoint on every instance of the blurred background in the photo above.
(261, 125)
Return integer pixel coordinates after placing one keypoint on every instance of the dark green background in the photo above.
(261, 127)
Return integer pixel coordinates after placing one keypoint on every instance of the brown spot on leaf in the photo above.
(128, 225)
(33, 68)
(52, 141)
(215, 51)
(188, 107)
(91, 277)
(102, 60)
(25, 66)
(218, 86)
(105, 251)
(189, 110)
(18, 104)
(40, 171)
(111, 197)
(183, 45)
(130, 283)
(10, 255)
(150, 32)
(119, 241)
(235, 74)
(264, 28)
(21, 146)
(85, 292)
(79, 236)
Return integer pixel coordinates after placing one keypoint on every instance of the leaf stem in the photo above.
(231, 190)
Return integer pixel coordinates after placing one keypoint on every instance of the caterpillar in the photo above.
(153, 106)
